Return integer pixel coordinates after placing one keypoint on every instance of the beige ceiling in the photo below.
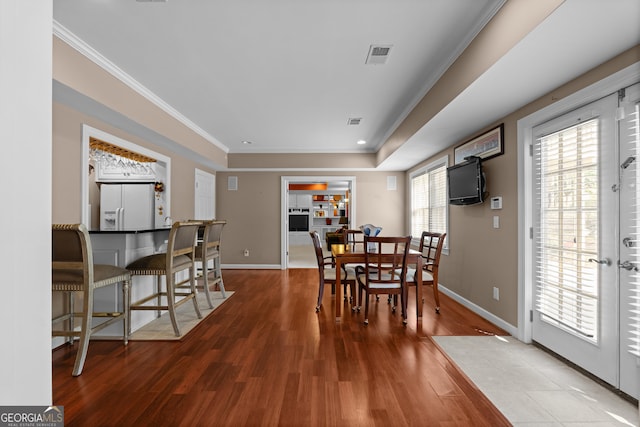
(287, 75)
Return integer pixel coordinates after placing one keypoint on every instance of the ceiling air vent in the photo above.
(378, 54)
(354, 121)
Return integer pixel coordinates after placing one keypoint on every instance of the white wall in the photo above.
(25, 216)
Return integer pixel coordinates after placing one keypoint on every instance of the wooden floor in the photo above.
(266, 358)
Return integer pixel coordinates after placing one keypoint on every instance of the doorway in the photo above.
(349, 182)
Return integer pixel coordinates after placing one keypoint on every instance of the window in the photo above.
(429, 207)
(567, 233)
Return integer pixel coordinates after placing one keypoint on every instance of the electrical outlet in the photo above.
(496, 294)
(246, 252)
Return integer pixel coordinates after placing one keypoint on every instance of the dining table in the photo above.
(346, 254)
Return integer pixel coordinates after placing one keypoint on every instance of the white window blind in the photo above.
(633, 128)
(566, 228)
(429, 199)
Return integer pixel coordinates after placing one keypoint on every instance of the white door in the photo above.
(205, 195)
(587, 238)
(629, 241)
(575, 246)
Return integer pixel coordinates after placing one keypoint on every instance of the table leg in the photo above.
(419, 287)
(338, 288)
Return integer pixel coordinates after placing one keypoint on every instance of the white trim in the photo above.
(604, 87)
(251, 266)
(97, 58)
(508, 327)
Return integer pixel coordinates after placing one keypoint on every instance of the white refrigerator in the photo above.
(127, 207)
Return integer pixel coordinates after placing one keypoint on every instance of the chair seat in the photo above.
(330, 274)
(156, 264)
(73, 280)
(380, 285)
(411, 274)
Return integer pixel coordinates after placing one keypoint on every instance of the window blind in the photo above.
(566, 228)
(429, 199)
(632, 127)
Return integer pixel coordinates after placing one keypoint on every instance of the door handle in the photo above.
(627, 266)
(605, 261)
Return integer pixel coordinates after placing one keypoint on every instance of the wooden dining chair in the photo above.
(208, 250)
(73, 270)
(327, 273)
(353, 238)
(179, 257)
(431, 245)
(384, 271)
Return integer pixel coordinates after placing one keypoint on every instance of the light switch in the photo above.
(496, 221)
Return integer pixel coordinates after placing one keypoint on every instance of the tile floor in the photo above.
(533, 388)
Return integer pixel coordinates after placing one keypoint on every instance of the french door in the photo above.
(583, 304)
(629, 241)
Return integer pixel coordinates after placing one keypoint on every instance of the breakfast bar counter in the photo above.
(121, 248)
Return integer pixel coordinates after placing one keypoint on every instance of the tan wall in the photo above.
(253, 211)
(482, 257)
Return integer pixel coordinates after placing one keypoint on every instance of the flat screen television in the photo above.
(298, 222)
(466, 182)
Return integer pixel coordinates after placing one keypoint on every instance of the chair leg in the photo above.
(205, 280)
(218, 270)
(194, 291)
(403, 305)
(320, 293)
(71, 322)
(85, 333)
(171, 304)
(436, 296)
(366, 308)
(125, 317)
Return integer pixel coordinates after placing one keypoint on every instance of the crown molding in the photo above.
(96, 57)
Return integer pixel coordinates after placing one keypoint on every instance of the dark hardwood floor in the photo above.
(266, 358)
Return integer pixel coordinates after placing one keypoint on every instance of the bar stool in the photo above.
(72, 270)
(179, 257)
(209, 250)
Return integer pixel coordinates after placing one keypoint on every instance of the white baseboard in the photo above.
(513, 330)
(251, 266)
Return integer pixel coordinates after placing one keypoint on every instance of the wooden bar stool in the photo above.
(179, 257)
(209, 250)
(72, 270)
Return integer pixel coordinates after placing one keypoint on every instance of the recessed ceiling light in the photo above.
(361, 142)
(247, 142)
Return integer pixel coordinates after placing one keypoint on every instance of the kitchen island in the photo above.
(121, 248)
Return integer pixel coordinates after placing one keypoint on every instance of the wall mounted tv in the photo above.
(466, 182)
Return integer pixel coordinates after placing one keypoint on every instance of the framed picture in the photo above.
(489, 144)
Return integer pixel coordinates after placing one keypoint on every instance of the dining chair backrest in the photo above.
(211, 238)
(317, 246)
(71, 251)
(182, 240)
(386, 259)
(353, 238)
(431, 245)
